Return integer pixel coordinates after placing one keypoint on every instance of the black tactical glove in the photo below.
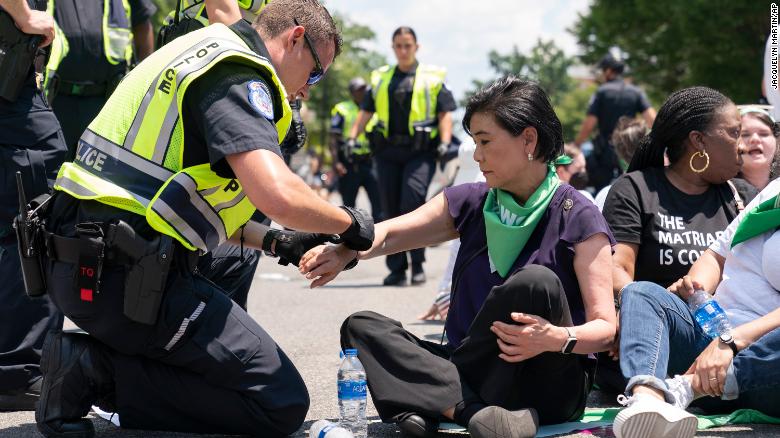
(290, 246)
(360, 235)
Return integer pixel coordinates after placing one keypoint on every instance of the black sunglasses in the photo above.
(318, 72)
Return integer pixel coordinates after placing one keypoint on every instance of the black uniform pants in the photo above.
(206, 366)
(24, 321)
(404, 177)
(361, 173)
(406, 374)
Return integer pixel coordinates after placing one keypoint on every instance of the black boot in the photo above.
(76, 374)
(413, 425)
(396, 278)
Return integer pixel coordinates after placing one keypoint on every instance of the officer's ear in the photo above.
(294, 37)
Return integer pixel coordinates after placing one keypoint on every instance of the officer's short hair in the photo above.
(517, 104)
(279, 15)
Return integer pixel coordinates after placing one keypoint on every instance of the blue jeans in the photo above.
(660, 338)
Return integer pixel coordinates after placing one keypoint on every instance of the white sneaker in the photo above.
(648, 417)
(681, 388)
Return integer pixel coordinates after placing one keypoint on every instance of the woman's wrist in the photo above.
(559, 335)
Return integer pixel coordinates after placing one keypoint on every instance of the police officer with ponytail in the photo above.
(175, 165)
(412, 128)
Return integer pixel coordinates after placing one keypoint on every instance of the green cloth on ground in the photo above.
(763, 218)
(509, 225)
(740, 416)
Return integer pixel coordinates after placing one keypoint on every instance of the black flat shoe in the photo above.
(417, 426)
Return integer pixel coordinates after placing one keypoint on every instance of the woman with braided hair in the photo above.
(666, 216)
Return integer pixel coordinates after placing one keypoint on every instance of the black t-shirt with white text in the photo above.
(671, 228)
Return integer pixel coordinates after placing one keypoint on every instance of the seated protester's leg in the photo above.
(404, 374)
(231, 269)
(658, 336)
(204, 353)
(555, 385)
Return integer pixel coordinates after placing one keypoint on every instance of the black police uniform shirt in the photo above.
(615, 99)
(219, 119)
(82, 23)
(671, 228)
(400, 92)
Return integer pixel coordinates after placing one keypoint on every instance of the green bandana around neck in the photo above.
(508, 225)
(765, 217)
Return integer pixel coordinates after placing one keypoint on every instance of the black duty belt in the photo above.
(67, 249)
(86, 89)
(400, 140)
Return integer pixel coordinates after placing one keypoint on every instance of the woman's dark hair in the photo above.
(626, 137)
(404, 30)
(686, 110)
(517, 104)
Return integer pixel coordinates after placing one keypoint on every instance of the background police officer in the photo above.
(414, 121)
(103, 39)
(352, 161)
(31, 142)
(201, 363)
(613, 99)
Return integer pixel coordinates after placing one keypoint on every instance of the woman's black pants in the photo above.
(407, 374)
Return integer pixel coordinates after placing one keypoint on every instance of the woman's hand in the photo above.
(709, 369)
(685, 287)
(324, 263)
(531, 336)
(614, 349)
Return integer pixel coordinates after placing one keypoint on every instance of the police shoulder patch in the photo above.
(260, 99)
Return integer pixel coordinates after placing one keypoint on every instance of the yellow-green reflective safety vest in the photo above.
(349, 111)
(131, 155)
(428, 80)
(117, 38)
(194, 9)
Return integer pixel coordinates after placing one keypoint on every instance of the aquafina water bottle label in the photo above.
(352, 389)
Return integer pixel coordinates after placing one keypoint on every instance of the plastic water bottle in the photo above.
(352, 394)
(326, 429)
(708, 314)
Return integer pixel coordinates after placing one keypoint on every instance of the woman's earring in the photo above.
(706, 157)
(530, 157)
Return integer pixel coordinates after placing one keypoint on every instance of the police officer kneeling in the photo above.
(174, 165)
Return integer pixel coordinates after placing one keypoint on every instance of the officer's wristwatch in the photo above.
(571, 341)
(727, 339)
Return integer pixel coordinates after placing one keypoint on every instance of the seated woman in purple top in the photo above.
(531, 287)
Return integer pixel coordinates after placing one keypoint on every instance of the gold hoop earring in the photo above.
(704, 155)
(530, 157)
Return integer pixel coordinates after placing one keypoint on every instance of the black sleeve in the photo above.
(593, 105)
(623, 211)
(746, 190)
(445, 102)
(140, 11)
(368, 102)
(643, 103)
(219, 107)
(337, 124)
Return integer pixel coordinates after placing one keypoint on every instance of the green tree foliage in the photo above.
(675, 44)
(354, 60)
(547, 65)
(571, 110)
